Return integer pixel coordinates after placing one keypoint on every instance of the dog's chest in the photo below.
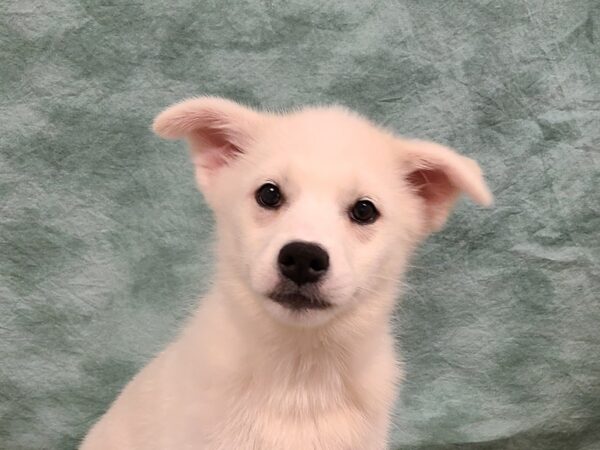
(296, 407)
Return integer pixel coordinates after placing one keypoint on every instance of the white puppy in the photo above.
(317, 212)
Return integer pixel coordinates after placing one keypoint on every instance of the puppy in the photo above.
(317, 213)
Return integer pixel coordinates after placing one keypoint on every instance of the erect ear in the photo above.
(218, 131)
(438, 176)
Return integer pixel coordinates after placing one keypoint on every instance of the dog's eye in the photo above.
(364, 212)
(269, 196)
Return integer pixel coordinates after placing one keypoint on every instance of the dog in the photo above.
(318, 211)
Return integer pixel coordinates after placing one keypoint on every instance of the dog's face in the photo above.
(316, 213)
(317, 210)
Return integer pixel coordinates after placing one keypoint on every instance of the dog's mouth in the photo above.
(296, 300)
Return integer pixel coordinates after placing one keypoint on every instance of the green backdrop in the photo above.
(103, 238)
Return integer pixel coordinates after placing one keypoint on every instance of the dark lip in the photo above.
(298, 302)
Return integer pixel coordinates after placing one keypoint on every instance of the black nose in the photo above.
(303, 262)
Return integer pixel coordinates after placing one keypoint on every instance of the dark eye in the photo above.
(269, 196)
(364, 212)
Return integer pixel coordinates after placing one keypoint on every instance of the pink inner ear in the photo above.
(213, 147)
(433, 185)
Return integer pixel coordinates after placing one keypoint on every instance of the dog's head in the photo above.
(318, 209)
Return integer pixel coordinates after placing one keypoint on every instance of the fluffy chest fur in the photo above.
(296, 407)
(274, 389)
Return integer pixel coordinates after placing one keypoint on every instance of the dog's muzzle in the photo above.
(302, 265)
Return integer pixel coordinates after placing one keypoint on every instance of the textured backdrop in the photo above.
(103, 238)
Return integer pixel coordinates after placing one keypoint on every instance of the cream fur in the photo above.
(246, 373)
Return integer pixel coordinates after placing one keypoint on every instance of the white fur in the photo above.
(246, 372)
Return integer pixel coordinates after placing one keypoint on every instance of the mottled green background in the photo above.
(103, 238)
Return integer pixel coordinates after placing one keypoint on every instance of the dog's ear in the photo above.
(438, 175)
(218, 131)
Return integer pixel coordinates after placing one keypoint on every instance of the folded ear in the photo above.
(438, 176)
(218, 131)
